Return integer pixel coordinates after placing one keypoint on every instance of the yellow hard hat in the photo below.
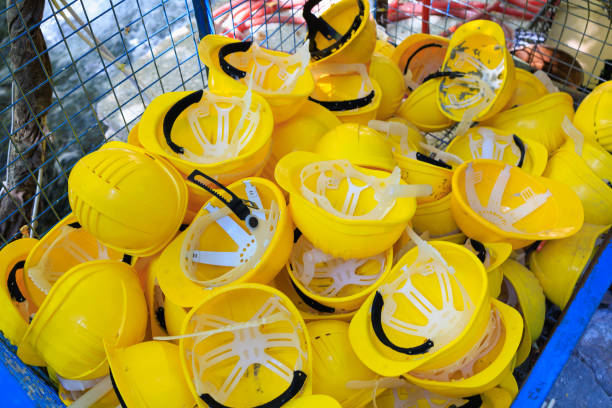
(594, 115)
(129, 200)
(133, 137)
(343, 34)
(246, 345)
(567, 167)
(432, 308)
(495, 202)
(335, 365)
(421, 108)
(401, 394)
(492, 256)
(309, 308)
(149, 375)
(559, 264)
(384, 47)
(348, 91)
(301, 132)
(225, 135)
(283, 79)
(539, 120)
(396, 133)
(92, 302)
(482, 142)
(337, 205)
(485, 364)
(435, 217)
(528, 89)
(521, 290)
(418, 56)
(391, 82)
(246, 238)
(80, 390)
(66, 245)
(359, 144)
(16, 305)
(478, 70)
(332, 284)
(314, 400)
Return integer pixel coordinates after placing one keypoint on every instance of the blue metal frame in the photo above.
(558, 349)
(204, 18)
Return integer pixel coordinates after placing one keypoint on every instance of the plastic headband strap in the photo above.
(363, 99)
(488, 146)
(318, 25)
(421, 48)
(227, 49)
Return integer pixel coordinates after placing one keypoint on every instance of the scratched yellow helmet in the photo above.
(521, 290)
(314, 400)
(421, 108)
(391, 82)
(16, 305)
(348, 91)
(432, 308)
(559, 264)
(335, 365)
(484, 365)
(283, 79)
(482, 142)
(539, 120)
(594, 115)
(149, 375)
(418, 56)
(244, 238)
(359, 144)
(479, 79)
(129, 200)
(92, 302)
(528, 89)
(495, 202)
(337, 205)
(342, 34)
(66, 245)
(246, 345)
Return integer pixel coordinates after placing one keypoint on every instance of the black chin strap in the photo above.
(338, 106)
(319, 307)
(431, 160)
(481, 251)
(472, 402)
(519, 143)
(173, 113)
(227, 49)
(11, 283)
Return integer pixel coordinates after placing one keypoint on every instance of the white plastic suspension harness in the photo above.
(493, 212)
(493, 146)
(252, 239)
(443, 324)
(331, 173)
(393, 131)
(229, 140)
(327, 275)
(251, 346)
(365, 94)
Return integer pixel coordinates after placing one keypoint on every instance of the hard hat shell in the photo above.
(248, 328)
(492, 255)
(16, 305)
(108, 400)
(391, 82)
(535, 208)
(594, 115)
(504, 146)
(66, 245)
(331, 285)
(488, 369)
(559, 264)
(341, 237)
(434, 217)
(133, 137)
(384, 47)
(335, 364)
(422, 54)
(314, 400)
(509, 384)
(528, 89)
(359, 144)
(343, 89)
(301, 132)
(355, 31)
(423, 170)
(383, 358)
(156, 138)
(308, 310)
(476, 45)
(414, 135)
(408, 395)
(522, 290)
(186, 281)
(129, 200)
(92, 302)
(284, 103)
(421, 108)
(567, 167)
(539, 120)
(596, 157)
(149, 375)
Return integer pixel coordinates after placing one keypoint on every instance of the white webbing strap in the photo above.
(573, 133)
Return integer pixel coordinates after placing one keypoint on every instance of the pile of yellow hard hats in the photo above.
(292, 237)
